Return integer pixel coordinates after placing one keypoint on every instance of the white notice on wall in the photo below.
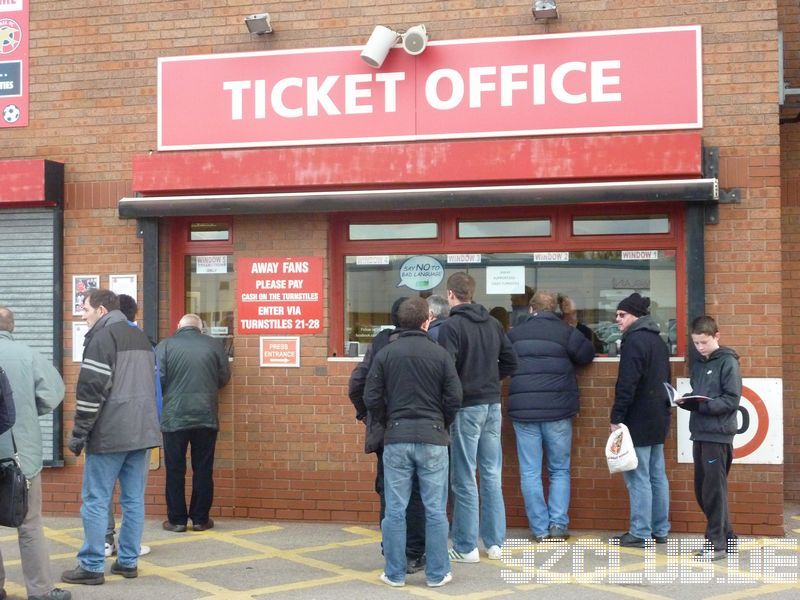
(212, 264)
(505, 280)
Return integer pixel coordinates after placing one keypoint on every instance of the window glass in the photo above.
(210, 285)
(620, 225)
(594, 280)
(517, 228)
(393, 231)
(209, 232)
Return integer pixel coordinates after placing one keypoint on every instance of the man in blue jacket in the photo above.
(542, 400)
(641, 403)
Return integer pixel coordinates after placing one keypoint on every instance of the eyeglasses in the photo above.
(621, 314)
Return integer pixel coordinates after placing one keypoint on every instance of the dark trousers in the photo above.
(415, 513)
(203, 441)
(712, 462)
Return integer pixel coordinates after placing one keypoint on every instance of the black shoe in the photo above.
(177, 528)
(414, 565)
(207, 525)
(54, 594)
(538, 538)
(2, 594)
(126, 572)
(81, 576)
(629, 541)
(660, 539)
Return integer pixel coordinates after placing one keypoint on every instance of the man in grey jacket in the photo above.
(116, 421)
(194, 367)
(38, 389)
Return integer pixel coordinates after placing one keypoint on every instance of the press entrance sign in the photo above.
(600, 81)
(759, 440)
(278, 351)
(279, 295)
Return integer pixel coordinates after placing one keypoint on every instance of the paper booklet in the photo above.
(676, 400)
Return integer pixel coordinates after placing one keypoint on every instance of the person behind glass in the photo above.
(712, 425)
(483, 356)
(37, 389)
(439, 311)
(413, 390)
(519, 306)
(194, 367)
(116, 420)
(542, 400)
(128, 307)
(373, 442)
(569, 314)
(640, 402)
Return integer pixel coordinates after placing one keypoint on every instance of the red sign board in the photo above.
(280, 351)
(609, 81)
(14, 34)
(279, 295)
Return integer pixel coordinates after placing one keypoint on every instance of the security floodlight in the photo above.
(544, 9)
(380, 42)
(258, 24)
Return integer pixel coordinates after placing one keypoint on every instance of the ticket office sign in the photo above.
(279, 295)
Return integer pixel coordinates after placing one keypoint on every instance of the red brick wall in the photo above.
(286, 447)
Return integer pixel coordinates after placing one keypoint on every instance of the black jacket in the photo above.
(717, 377)
(194, 367)
(373, 437)
(413, 390)
(640, 399)
(482, 352)
(544, 386)
(435, 327)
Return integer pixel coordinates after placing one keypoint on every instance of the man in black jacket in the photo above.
(413, 390)
(641, 403)
(194, 367)
(483, 356)
(542, 400)
(373, 442)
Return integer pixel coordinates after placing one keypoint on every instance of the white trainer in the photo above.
(110, 549)
(144, 550)
(444, 581)
(472, 556)
(494, 553)
(388, 581)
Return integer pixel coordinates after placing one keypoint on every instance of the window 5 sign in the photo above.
(759, 439)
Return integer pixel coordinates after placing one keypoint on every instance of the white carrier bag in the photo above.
(620, 454)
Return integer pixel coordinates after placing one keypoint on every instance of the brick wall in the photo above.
(286, 448)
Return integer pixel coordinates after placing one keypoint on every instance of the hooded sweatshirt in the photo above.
(481, 350)
(716, 376)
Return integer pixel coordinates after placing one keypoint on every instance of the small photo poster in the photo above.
(123, 284)
(81, 286)
(79, 331)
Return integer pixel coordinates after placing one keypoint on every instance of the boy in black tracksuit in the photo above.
(712, 425)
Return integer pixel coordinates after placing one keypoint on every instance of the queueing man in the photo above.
(483, 356)
(640, 402)
(712, 425)
(373, 442)
(37, 389)
(543, 399)
(413, 390)
(116, 421)
(194, 367)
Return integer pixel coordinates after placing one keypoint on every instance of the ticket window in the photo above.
(204, 249)
(594, 260)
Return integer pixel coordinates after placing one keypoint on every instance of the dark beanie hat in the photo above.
(635, 304)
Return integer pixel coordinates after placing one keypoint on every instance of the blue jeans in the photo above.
(100, 473)
(556, 439)
(400, 463)
(475, 443)
(648, 490)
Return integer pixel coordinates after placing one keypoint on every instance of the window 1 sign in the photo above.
(421, 273)
(280, 351)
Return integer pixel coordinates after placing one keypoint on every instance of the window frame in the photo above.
(448, 242)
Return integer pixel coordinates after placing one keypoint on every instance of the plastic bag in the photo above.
(620, 454)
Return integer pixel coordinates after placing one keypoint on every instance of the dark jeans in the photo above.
(203, 441)
(415, 512)
(712, 462)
